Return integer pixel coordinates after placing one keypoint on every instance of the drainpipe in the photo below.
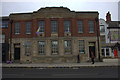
(96, 19)
(11, 40)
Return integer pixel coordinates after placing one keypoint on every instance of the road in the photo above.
(83, 72)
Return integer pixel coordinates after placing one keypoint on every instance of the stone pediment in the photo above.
(54, 10)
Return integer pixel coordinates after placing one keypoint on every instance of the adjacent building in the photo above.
(110, 37)
(53, 35)
(4, 41)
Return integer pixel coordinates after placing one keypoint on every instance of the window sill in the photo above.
(80, 32)
(67, 53)
(67, 32)
(41, 32)
(81, 53)
(54, 53)
(41, 54)
(91, 32)
(17, 33)
(28, 33)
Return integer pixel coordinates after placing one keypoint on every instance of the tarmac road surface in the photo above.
(83, 72)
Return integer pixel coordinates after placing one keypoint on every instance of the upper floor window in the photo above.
(67, 27)
(80, 26)
(41, 24)
(28, 28)
(54, 26)
(2, 38)
(67, 46)
(4, 24)
(17, 27)
(102, 28)
(54, 47)
(91, 26)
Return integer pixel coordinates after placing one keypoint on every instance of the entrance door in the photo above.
(17, 52)
(91, 48)
(5, 52)
(115, 53)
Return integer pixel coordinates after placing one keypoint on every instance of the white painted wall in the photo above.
(103, 22)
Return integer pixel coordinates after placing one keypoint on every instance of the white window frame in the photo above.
(41, 47)
(4, 24)
(54, 26)
(27, 48)
(80, 26)
(91, 26)
(28, 28)
(81, 45)
(17, 27)
(41, 24)
(67, 47)
(67, 25)
(54, 47)
(102, 29)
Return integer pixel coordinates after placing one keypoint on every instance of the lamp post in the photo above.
(11, 39)
(96, 19)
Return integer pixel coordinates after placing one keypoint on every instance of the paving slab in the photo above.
(60, 65)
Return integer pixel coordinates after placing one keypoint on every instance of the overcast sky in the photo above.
(25, 6)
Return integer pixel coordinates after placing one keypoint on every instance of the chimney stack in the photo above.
(108, 17)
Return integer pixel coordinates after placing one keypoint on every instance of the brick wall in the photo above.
(47, 17)
(34, 27)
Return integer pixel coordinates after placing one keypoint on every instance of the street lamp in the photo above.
(11, 39)
(96, 19)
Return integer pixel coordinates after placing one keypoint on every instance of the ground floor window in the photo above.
(41, 47)
(67, 46)
(81, 46)
(107, 51)
(27, 48)
(54, 47)
(103, 52)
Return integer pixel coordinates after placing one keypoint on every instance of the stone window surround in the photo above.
(57, 47)
(83, 45)
(43, 48)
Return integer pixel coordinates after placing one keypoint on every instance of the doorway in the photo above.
(92, 48)
(17, 52)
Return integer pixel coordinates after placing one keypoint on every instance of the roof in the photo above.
(4, 18)
(52, 9)
(114, 24)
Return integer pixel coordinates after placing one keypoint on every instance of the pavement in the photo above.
(60, 65)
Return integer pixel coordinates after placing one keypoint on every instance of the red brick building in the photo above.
(63, 34)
